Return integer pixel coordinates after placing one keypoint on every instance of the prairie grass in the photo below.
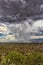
(21, 54)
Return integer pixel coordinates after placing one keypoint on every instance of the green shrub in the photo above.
(17, 58)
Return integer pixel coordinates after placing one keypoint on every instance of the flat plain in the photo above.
(21, 54)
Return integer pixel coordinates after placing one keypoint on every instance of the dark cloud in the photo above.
(18, 10)
(20, 20)
(21, 32)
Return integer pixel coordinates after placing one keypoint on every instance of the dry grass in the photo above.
(23, 48)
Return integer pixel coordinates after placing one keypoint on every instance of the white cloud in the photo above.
(37, 26)
(21, 32)
(10, 38)
(4, 29)
(36, 37)
(38, 23)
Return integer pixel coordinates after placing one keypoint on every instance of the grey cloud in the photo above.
(19, 9)
(23, 32)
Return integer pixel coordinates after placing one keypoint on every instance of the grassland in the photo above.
(21, 54)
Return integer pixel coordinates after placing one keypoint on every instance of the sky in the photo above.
(20, 22)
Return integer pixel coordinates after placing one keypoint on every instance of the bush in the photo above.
(17, 58)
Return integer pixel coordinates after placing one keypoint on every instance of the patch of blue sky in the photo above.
(2, 35)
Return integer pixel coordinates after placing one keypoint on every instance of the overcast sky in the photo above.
(17, 22)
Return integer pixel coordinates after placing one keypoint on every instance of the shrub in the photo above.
(17, 58)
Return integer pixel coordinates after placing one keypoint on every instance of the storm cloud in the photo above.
(19, 10)
(22, 32)
(21, 20)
